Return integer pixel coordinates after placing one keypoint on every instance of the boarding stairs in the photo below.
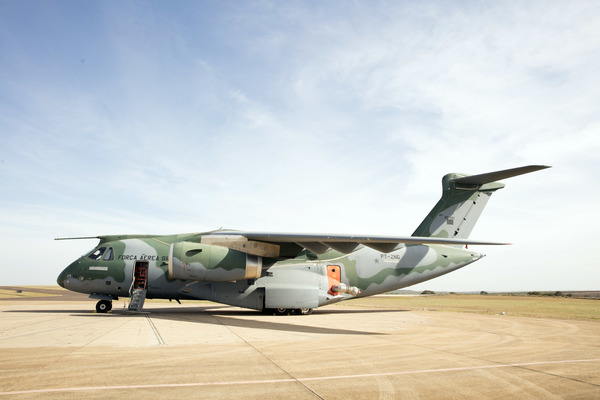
(137, 300)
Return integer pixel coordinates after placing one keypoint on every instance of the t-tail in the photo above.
(463, 199)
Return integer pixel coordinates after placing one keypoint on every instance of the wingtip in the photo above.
(77, 238)
(540, 166)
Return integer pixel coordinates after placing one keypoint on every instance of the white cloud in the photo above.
(310, 117)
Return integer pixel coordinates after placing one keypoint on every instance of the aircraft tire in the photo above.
(282, 311)
(103, 306)
(303, 311)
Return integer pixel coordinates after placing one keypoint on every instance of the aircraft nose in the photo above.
(65, 274)
(61, 278)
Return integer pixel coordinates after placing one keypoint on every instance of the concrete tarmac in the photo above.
(63, 349)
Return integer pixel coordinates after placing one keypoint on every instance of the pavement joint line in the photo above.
(157, 334)
(288, 380)
(42, 331)
(558, 376)
(293, 379)
(495, 362)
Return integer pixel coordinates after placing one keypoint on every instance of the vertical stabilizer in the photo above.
(463, 199)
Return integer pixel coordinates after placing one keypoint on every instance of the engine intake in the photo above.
(203, 262)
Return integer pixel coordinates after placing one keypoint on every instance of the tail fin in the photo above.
(463, 199)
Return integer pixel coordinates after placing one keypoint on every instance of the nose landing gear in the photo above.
(103, 306)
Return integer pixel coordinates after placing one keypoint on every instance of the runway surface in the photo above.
(62, 349)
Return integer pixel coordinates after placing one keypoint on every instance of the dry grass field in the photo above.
(514, 305)
(524, 306)
(20, 293)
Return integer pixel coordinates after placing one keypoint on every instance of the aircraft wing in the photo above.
(283, 245)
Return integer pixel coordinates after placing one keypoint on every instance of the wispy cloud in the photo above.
(296, 116)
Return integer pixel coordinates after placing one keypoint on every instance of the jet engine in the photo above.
(204, 262)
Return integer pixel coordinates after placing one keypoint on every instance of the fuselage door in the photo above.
(140, 275)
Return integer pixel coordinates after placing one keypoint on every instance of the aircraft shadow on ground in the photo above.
(223, 315)
(213, 310)
(72, 312)
(229, 318)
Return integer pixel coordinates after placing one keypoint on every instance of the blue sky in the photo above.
(333, 116)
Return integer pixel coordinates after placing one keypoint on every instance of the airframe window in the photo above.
(109, 256)
(96, 254)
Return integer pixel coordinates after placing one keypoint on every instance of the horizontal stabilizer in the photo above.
(497, 175)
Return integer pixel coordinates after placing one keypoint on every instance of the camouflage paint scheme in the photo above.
(289, 272)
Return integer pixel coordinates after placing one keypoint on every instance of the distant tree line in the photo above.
(557, 293)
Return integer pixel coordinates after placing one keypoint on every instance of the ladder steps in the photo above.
(137, 300)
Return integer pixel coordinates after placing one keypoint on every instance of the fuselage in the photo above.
(120, 264)
(288, 271)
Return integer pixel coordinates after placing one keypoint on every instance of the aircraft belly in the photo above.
(239, 293)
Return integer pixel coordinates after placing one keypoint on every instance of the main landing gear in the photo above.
(103, 306)
(288, 311)
(303, 311)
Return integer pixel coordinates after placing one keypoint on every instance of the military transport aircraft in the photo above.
(284, 273)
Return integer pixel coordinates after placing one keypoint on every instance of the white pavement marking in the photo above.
(318, 378)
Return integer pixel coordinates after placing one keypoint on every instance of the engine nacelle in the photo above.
(204, 262)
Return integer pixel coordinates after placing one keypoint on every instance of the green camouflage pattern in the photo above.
(286, 271)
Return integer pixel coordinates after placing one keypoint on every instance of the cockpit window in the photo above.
(96, 254)
(109, 256)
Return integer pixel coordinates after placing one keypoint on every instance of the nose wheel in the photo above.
(103, 306)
